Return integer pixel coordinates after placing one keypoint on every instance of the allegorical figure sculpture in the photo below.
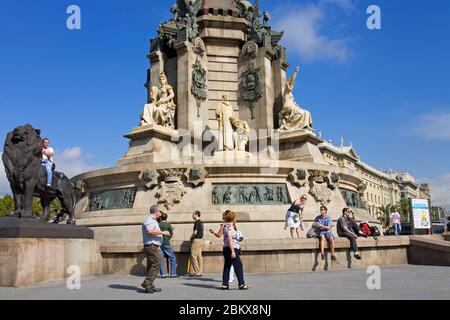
(224, 113)
(292, 116)
(22, 156)
(240, 135)
(161, 110)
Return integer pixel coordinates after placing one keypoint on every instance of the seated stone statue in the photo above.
(292, 116)
(240, 135)
(161, 110)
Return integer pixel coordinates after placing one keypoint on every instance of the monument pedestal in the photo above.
(32, 253)
(149, 144)
(299, 145)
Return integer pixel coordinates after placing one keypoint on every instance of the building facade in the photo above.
(382, 188)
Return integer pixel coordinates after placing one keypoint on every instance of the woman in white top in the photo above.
(295, 215)
(231, 252)
(220, 234)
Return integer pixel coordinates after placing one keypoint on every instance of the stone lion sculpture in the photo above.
(27, 177)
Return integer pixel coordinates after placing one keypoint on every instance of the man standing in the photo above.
(196, 247)
(345, 231)
(396, 222)
(166, 249)
(153, 237)
(47, 161)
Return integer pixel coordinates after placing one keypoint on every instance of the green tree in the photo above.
(6, 205)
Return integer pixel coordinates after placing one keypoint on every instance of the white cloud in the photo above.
(303, 27)
(4, 184)
(71, 154)
(343, 4)
(433, 126)
(440, 191)
(72, 161)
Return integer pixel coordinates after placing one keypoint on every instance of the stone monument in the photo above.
(228, 94)
(28, 244)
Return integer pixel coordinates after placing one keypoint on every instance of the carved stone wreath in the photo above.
(149, 178)
(298, 177)
(199, 46)
(196, 176)
(250, 87)
(250, 49)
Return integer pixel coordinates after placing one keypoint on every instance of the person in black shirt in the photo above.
(345, 231)
(196, 246)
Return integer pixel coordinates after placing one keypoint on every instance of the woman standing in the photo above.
(220, 234)
(295, 216)
(231, 252)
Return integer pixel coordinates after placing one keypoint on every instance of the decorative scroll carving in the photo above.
(112, 199)
(250, 194)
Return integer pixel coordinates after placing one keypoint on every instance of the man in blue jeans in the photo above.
(166, 249)
(47, 161)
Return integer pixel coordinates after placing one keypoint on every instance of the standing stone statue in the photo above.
(240, 136)
(292, 115)
(224, 113)
(161, 110)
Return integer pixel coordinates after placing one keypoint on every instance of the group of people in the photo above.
(347, 227)
(157, 233)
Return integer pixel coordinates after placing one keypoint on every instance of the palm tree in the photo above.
(403, 209)
(383, 214)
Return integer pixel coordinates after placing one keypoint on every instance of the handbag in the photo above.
(314, 232)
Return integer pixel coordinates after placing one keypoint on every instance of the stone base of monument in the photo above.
(33, 253)
(262, 256)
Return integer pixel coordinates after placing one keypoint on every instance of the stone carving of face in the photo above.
(163, 81)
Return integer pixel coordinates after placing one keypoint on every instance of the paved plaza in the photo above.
(398, 282)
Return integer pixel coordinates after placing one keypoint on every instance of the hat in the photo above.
(155, 208)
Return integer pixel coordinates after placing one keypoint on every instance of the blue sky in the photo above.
(387, 91)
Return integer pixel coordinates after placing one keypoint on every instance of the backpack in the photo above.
(375, 231)
(366, 229)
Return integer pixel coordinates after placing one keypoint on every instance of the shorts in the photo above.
(326, 235)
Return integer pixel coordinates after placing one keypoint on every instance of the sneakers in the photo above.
(333, 257)
(175, 276)
(163, 277)
(357, 256)
(244, 287)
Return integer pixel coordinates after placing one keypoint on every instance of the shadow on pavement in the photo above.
(204, 286)
(123, 287)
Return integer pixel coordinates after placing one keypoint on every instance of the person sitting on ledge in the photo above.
(344, 231)
(325, 223)
(353, 225)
